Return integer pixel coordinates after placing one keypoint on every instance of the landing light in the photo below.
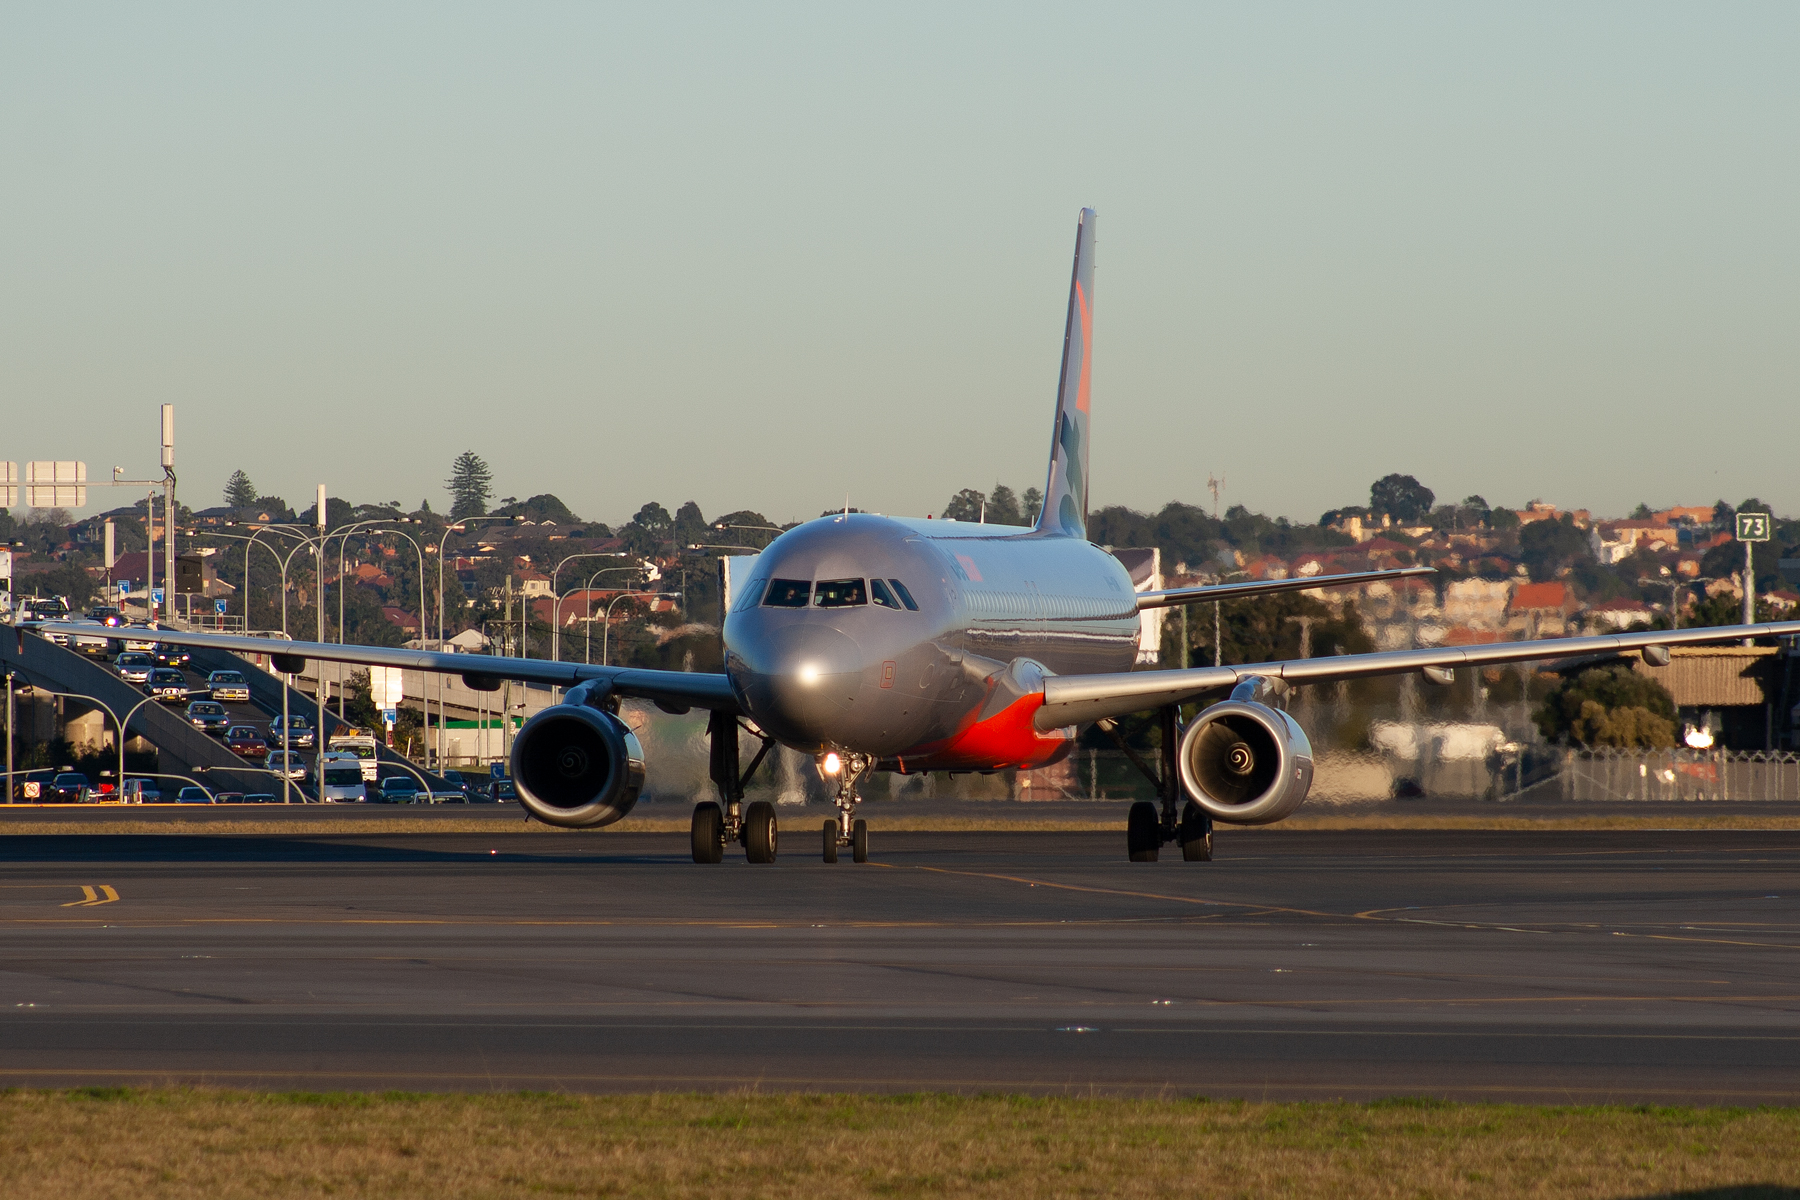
(809, 674)
(833, 764)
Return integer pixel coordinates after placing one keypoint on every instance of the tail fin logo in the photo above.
(1065, 492)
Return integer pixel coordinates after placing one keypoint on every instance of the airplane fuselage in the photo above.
(923, 643)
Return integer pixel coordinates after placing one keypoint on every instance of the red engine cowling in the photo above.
(1246, 763)
(577, 766)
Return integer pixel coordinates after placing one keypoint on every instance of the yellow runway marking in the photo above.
(90, 898)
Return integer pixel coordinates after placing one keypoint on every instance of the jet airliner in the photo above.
(879, 643)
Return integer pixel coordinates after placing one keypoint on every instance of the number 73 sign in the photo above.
(1753, 527)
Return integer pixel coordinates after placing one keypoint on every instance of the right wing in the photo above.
(1259, 587)
(1078, 699)
(672, 691)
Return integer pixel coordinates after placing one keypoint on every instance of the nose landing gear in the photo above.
(846, 829)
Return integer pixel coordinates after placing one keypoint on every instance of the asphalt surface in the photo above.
(1566, 967)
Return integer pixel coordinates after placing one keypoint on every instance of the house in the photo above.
(400, 619)
(1538, 510)
(1541, 609)
(1692, 514)
(1616, 541)
(1618, 614)
(1477, 603)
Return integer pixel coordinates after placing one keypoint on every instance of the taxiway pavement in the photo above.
(1562, 966)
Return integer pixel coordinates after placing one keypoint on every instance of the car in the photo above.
(105, 614)
(501, 791)
(299, 732)
(228, 798)
(261, 798)
(208, 716)
(193, 795)
(167, 685)
(343, 778)
(245, 742)
(140, 791)
(460, 782)
(229, 686)
(172, 656)
(68, 787)
(134, 667)
(398, 789)
(285, 762)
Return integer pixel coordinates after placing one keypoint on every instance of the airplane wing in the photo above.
(1078, 699)
(1258, 587)
(672, 691)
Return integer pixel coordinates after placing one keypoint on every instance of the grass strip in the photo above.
(143, 1144)
(516, 824)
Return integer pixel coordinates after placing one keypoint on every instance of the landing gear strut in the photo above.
(1149, 826)
(716, 824)
(846, 829)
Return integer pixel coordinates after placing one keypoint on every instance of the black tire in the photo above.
(1143, 832)
(760, 832)
(1196, 834)
(708, 832)
(859, 842)
(831, 834)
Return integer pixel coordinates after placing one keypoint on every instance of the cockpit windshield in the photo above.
(839, 593)
(879, 593)
(905, 596)
(787, 593)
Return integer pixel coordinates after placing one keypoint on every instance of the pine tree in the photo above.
(470, 484)
(239, 491)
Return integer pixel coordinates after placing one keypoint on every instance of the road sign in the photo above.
(497, 770)
(220, 606)
(56, 484)
(124, 587)
(390, 715)
(1753, 527)
(156, 596)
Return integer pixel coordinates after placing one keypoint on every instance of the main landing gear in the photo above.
(846, 829)
(753, 827)
(1149, 826)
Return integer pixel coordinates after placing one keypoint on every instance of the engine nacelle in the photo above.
(1246, 763)
(578, 767)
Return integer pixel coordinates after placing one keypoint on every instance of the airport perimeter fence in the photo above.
(1676, 775)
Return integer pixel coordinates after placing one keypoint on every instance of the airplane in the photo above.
(878, 643)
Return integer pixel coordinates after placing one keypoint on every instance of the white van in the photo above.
(343, 779)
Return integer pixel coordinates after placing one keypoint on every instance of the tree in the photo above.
(1031, 504)
(1609, 706)
(966, 505)
(649, 530)
(1401, 497)
(1641, 513)
(239, 491)
(471, 485)
(1548, 546)
(1003, 507)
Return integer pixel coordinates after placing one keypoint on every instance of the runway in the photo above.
(1569, 967)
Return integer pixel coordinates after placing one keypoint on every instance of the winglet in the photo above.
(1066, 492)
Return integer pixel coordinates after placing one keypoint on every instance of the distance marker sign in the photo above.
(1753, 527)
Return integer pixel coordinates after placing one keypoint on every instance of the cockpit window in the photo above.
(878, 592)
(752, 595)
(839, 593)
(787, 593)
(905, 596)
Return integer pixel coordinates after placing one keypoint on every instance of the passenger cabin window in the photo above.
(879, 593)
(905, 596)
(839, 593)
(787, 593)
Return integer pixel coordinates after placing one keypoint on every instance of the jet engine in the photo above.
(1246, 763)
(577, 766)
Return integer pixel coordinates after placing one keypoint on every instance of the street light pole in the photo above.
(556, 617)
(607, 631)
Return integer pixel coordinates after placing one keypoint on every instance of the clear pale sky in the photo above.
(762, 255)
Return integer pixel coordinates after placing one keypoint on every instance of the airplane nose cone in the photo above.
(799, 678)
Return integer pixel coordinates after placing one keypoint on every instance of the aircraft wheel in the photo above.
(1196, 834)
(859, 842)
(1143, 832)
(708, 832)
(760, 832)
(831, 831)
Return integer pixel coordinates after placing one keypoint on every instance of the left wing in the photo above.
(1261, 587)
(1078, 699)
(672, 691)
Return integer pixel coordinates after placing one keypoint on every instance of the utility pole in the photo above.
(1213, 484)
(9, 738)
(319, 663)
(168, 466)
(1752, 527)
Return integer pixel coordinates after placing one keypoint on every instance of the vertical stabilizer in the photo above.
(1066, 492)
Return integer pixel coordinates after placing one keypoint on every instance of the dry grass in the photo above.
(515, 823)
(144, 1144)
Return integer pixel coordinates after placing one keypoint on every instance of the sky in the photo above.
(772, 256)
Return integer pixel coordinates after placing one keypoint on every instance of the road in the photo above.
(1623, 967)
